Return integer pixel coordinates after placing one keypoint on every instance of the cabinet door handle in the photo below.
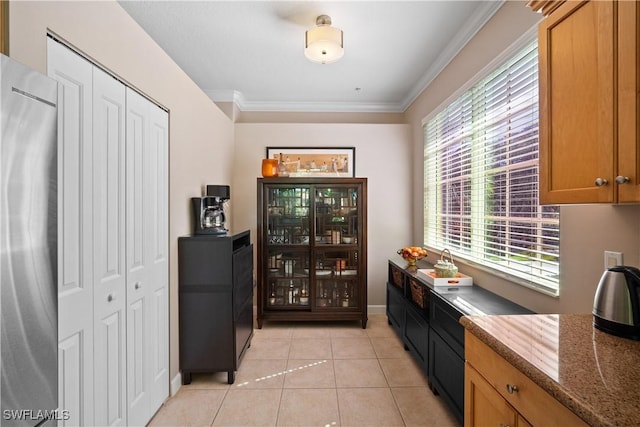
(512, 388)
(136, 286)
(622, 179)
(110, 297)
(600, 182)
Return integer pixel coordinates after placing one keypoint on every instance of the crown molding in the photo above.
(226, 96)
(466, 33)
(303, 107)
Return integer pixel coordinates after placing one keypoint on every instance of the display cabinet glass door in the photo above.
(336, 215)
(287, 215)
(337, 284)
(288, 234)
(336, 264)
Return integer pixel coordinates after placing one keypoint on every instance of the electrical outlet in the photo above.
(612, 259)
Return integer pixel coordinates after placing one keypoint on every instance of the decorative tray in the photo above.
(430, 276)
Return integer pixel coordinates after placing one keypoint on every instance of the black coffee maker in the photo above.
(208, 211)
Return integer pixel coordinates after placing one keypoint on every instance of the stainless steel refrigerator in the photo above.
(28, 247)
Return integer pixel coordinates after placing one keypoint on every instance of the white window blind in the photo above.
(481, 178)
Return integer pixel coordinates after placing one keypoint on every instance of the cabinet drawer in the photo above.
(530, 400)
(445, 320)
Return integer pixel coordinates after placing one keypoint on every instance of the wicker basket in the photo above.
(396, 276)
(419, 294)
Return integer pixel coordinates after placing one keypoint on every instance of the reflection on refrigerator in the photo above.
(28, 248)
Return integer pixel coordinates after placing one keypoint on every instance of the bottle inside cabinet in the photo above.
(311, 249)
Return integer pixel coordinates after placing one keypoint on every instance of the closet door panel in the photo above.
(137, 252)
(158, 256)
(109, 249)
(110, 370)
(75, 277)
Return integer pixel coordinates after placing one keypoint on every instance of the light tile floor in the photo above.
(314, 374)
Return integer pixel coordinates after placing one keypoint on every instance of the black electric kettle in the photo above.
(616, 306)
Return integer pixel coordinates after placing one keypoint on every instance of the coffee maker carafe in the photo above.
(209, 210)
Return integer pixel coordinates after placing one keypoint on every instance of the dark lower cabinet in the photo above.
(428, 324)
(446, 373)
(215, 303)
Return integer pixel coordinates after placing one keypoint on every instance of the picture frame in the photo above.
(326, 162)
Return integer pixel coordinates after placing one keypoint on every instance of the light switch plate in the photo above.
(612, 259)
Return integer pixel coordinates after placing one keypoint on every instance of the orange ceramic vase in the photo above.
(269, 168)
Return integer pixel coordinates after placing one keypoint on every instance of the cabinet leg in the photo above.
(259, 323)
(186, 378)
(231, 377)
(433, 389)
(364, 323)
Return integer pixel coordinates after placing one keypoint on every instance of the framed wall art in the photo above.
(316, 161)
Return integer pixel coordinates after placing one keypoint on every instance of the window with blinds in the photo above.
(481, 178)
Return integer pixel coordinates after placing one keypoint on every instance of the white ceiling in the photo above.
(251, 52)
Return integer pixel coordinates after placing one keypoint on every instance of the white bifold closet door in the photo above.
(75, 239)
(113, 292)
(146, 249)
(109, 270)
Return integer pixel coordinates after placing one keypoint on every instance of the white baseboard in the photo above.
(377, 309)
(176, 383)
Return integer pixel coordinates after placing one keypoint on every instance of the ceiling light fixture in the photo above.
(323, 43)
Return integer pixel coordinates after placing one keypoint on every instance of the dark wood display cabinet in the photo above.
(312, 258)
(215, 283)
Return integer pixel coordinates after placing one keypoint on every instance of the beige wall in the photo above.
(201, 136)
(586, 231)
(382, 156)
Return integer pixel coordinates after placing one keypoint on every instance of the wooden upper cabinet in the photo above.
(588, 103)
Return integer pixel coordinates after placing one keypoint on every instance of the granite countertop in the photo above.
(594, 374)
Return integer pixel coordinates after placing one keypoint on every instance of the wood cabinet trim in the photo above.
(4, 27)
(544, 6)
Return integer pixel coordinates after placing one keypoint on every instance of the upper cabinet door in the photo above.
(628, 176)
(577, 122)
(589, 88)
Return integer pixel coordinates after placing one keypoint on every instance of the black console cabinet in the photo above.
(428, 323)
(216, 303)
